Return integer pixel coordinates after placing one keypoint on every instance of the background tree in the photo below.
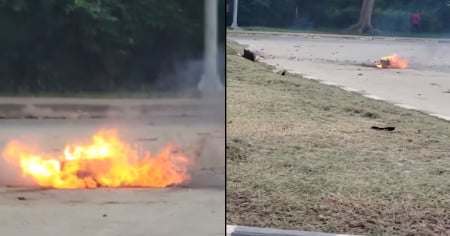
(364, 23)
(390, 17)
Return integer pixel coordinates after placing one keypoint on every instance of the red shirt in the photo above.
(415, 18)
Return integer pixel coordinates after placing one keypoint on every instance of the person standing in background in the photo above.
(415, 21)
(228, 14)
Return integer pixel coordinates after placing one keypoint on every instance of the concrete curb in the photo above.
(73, 108)
(335, 36)
(96, 101)
(235, 230)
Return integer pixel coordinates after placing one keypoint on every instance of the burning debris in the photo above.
(106, 162)
(392, 61)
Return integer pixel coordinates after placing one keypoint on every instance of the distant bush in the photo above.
(391, 20)
(342, 18)
(388, 16)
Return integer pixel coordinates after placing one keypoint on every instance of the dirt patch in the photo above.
(234, 48)
(315, 164)
(237, 149)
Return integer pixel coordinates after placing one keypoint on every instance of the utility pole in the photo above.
(234, 25)
(211, 79)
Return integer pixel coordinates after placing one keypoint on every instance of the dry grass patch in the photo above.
(301, 155)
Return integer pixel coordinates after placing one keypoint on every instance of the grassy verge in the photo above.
(302, 155)
(336, 31)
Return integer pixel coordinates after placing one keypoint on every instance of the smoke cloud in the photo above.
(187, 74)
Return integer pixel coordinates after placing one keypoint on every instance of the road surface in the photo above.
(196, 208)
(425, 85)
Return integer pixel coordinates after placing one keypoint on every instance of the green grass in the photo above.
(341, 32)
(301, 155)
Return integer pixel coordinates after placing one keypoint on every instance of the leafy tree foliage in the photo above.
(389, 16)
(95, 45)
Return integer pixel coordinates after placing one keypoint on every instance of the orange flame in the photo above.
(393, 61)
(106, 162)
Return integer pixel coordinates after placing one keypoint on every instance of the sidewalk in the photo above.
(234, 230)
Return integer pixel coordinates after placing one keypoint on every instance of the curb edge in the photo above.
(236, 230)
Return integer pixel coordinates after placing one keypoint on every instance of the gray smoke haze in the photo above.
(187, 74)
(435, 56)
(184, 81)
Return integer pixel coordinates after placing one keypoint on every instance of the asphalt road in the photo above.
(196, 208)
(111, 212)
(337, 60)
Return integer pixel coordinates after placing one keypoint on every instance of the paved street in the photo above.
(196, 208)
(424, 85)
(111, 212)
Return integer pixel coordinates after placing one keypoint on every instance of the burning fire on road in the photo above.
(392, 61)
(107, 161)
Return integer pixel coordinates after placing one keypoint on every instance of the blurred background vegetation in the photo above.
(391, 17)
(78, 46)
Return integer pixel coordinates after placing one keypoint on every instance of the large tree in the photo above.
(364, 23)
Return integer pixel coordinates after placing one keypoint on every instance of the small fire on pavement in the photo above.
(107, 161)
(392, 61)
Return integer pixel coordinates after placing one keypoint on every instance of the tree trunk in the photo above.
(364, 23)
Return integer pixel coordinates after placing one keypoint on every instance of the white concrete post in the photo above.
(234, 25)
(211, 79)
